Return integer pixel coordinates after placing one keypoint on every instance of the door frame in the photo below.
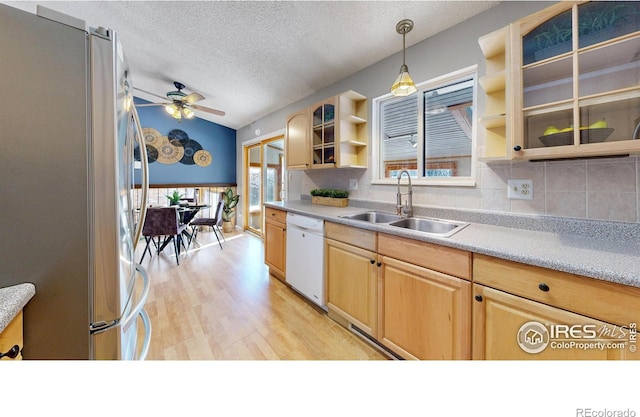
(245, 182)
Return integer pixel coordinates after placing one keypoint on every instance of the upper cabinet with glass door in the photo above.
(339, 134)
(323, 134)
(578, 67)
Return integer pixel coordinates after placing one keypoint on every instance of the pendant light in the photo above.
(404, 85)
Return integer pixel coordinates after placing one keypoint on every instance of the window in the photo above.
(430, 133)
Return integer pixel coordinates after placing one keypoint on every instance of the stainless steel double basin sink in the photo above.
(436, 227)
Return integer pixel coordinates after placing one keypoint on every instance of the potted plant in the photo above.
(330, 197)
(228, 210)
(174, 199)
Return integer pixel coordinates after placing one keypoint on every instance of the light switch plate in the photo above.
(520, 189)
(353, 184)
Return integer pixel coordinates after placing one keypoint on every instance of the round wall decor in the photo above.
(177, 134)
(152, 136)
(202, 158)
(152, 153)
(190, 148)
(169, 153)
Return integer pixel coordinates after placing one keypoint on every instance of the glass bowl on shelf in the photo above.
(587, 135)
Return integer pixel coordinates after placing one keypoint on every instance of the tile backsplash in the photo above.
(598, 189)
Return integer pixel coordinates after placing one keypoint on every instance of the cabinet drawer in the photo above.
(12, 335)
(279, 216)
(361, 238)
(601, 300)
(450, 261)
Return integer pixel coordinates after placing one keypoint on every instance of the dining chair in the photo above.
(163, 222)
(209, 221)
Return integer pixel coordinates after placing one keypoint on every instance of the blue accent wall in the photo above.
(218, 140)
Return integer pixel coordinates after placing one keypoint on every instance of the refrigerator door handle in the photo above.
(135, 311)
(144, 187)
(102, 326)
(147, 335)
(125, 322)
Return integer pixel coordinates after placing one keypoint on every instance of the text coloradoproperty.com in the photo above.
(588, 345)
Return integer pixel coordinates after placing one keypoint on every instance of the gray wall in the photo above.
(606, 189)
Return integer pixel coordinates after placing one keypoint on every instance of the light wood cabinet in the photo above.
(352, 284)
(275, 242)
(335, 134)
(563, 83)
(12, 336)
(424, 314)
(351, 275)
(578, 70)
(297, 142)
(526, 312)
(352, 130)
(424, 311)
(323, 134)
(400, 291)
(496, 88)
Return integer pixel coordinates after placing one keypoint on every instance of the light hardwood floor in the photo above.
(222, 304)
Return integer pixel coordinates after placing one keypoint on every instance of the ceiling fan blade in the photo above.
(207, 110)
(192, 98)
(150, 93)
(151, 104)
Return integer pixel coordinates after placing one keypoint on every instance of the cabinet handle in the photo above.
(543, 287)
(379, 264)
(373, 261)
(11, 353)
(517, 148)
(478, 297)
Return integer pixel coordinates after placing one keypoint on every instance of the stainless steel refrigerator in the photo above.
(68, 225)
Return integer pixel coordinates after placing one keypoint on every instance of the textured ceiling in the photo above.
(250, 58)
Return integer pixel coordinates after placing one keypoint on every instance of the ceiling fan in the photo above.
(180, 105)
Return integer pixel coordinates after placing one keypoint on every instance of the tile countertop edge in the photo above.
(617, 262)
(12, 300)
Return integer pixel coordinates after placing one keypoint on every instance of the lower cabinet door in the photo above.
(352, 284)
(11, 337)
(275, 236)
(424, 314)
(506, 326)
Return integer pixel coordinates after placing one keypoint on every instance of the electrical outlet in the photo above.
(520, 189)
(353, 184)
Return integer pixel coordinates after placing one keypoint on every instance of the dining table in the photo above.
(188, 212)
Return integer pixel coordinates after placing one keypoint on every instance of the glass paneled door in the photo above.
(254, 188)
(273, 185)
(264, 179)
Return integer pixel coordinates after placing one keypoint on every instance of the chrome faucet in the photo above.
(408, 207)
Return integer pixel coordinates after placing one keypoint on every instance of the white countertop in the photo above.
(12, 300)
(604, 259)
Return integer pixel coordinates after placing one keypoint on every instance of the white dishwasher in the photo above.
(305, 256)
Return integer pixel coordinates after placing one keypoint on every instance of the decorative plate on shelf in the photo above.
(586, 136)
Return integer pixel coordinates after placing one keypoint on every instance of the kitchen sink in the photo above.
(373, 217)
(443, 228)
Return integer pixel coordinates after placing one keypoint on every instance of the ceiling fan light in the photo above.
(404, 85)
(170, 109)
(188, 113)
